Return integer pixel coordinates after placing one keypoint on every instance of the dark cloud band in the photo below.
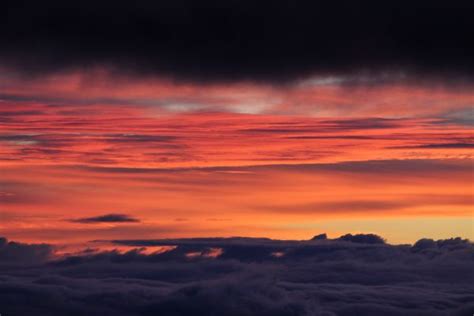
(357, 274)
(237, 40)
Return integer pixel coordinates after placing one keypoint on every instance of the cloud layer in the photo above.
(323, 277)
(39, 201)
(237, 40)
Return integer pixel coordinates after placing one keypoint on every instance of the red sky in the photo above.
(246, 159)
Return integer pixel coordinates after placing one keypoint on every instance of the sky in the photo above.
(237, 157)
(168, 120)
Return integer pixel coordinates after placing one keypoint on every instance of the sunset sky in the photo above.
(232, 159)
(107, 134)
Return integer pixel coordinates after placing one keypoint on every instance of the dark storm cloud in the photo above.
(323, 277)
(107, 218)
(233, 40)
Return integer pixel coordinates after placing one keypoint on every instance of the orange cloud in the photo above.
(330, 99)
(126, 137)
(265, 200)
(266, 159)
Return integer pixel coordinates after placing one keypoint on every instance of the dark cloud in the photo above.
(385, 167)
(463, 117)
(364, 206)
(322, 236)
(19, 113)
(20, 253)
(315, 277)
(236, 40)
(107, 218)
(334, 137)
(458, 145)
(344, 206)
(363, 238)
(136, 138)
(366, 123)
(390, 169)
(329, 126)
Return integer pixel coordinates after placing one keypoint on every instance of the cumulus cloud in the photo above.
(314, 277)
(363, 238)
(107, 218)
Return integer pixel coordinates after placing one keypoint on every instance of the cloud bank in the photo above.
(272, 41)
(344, 276)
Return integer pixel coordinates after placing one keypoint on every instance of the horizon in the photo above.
(158, 247)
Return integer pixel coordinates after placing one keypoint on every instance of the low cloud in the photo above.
(327, 277)
(21, 253)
